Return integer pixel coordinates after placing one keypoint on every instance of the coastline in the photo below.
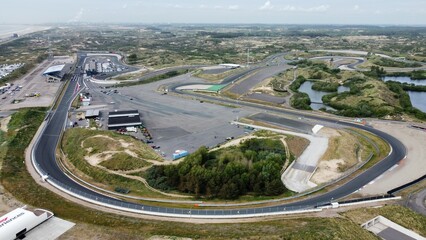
(21, 32)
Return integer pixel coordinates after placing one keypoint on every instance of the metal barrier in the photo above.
(407, 185)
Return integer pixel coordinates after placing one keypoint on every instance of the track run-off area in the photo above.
(44, 160)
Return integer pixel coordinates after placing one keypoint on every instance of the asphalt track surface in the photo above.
(45, 161)
(267, 72)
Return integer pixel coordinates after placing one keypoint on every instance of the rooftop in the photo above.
(92, 113)
(54, 69)
(123, 113)
(124, 121)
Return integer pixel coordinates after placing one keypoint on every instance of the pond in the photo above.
(405, 80)
(418, 99)
(316, 96)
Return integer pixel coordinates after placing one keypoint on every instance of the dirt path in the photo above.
(96, 159)
(4, 122)
(287, 153)
(143, 180)
(32, 171)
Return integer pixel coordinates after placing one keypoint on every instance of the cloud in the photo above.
(321, 8)
(234, 7)
(124, 6)
(267, 6)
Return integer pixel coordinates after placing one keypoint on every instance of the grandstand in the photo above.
(56, 73)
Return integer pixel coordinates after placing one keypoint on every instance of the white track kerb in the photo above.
(189, 215)
(148, 210)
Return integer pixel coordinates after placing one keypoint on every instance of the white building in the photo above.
(17, 223)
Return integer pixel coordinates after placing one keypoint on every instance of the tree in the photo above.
(132, 58)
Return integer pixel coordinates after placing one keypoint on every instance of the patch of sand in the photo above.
(4, 122)
(131, 153)
(327, 171)
(263, 88)
(125, 144)
(339, 157)
(329, 132)
(95, 159)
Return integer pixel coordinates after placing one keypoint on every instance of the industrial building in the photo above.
(56, 73)
(92, 113)
(123, 119)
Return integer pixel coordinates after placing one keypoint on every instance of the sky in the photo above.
(375, 12)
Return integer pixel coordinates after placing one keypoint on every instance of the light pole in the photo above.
(248, 57)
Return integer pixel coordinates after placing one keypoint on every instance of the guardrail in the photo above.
(179, 212)
(386, 197)
(118, 204)
(312, 190)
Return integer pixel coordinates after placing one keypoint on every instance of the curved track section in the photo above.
(44, 161)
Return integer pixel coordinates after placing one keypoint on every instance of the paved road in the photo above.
(167, 116)
(262, 74)
(44, 157)
(417, 202)
(352, 66)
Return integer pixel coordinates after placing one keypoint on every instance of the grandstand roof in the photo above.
(54, 69)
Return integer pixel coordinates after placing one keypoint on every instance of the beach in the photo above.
(6, 31)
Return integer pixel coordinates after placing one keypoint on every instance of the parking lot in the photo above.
(32, 90)
(175, 123)
(104, 66)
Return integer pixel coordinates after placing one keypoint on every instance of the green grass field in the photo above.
(16, 180)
